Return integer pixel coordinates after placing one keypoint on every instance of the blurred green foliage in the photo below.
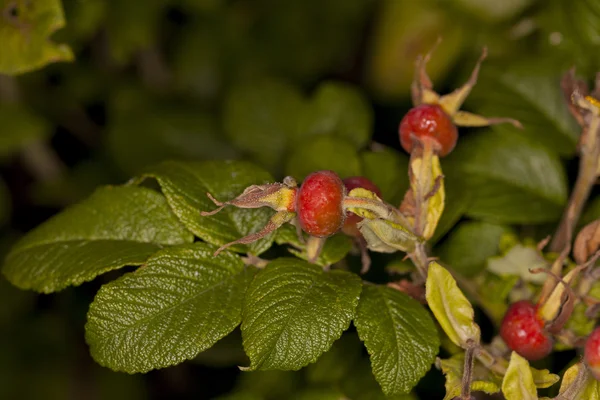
(294, 86)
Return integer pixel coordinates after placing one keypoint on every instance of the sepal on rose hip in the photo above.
(278, 196)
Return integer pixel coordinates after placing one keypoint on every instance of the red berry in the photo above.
(352, 219)
(523, 331)
(591, 353)
(319, 204)
(428, 120)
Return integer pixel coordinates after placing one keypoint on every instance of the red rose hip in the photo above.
(428, 120)
(523, 331)
(591, 353)
(352, 219)
(319, 204)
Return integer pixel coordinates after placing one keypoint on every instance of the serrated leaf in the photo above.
(518, 381)
(294, 311)
(260, 117)
(518, 261)
(18, 128)
(400, 337)
(25, 29)
(339, 110)
(470, 244)
(323, 152)
(483, 379)
(335, 248)
(511, 179)
(185, 185)
(450, 306)
(388, 169)
(530, 93)
(180, 303)
(577, 386)
(114, 227)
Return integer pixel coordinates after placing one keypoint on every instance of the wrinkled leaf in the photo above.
(427, 187)
(185, 185)
(450, 306)
(260, 117)
(335, 248)
(518, 261)
(116, 226)
(180, 303)
(25, 29)
(470, 244)
(339, 110)
(294, 311)
(511, 179)
(323, 152)
(483, 379)
(400, 337)
(518, 381)
(388, 169)
(385, 236)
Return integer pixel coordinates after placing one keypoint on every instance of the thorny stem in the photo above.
(465, 393)
(589, 165)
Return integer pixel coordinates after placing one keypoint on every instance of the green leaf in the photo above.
(518, 261)
(160, 133)
(25, 28)
(116, 226)
(334, 366)
(400, 337)
(453, 368)
(469, 246)
(518, 381)
(185, 185)
(294, 311)
(324, 152)
(450, 306)
(335, 248)
(388, 169)
(339, 110)
(18, 128)
(259, 117)
(180, 303)
(529, 92)
(512, 179)
(542, 378)
(131, 28)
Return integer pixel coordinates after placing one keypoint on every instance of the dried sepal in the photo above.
(275, 222)
(278, 196)
(587, 242)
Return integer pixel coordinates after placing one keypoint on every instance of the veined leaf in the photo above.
(185, 185)
(116, 226)
(180, 303)
(294, 311)
(518, 382)
(483, 379)
(400, 337)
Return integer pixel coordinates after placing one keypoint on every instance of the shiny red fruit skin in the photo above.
(352, 219)
(319, 204)
(523, 331)
(428, 120)
(591, 353)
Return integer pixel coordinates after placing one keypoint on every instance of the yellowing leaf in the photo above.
(518, 381)
(543, 378)
(483, 379)
(25, 28)
(577, 383)
(450, 306)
